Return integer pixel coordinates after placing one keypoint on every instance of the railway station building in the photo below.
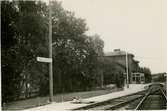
(118, 57)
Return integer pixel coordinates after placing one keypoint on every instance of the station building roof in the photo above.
(117, 52)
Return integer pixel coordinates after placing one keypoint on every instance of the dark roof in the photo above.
(116, 52)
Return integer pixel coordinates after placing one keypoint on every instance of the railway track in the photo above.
(151, 99)
(114, 103)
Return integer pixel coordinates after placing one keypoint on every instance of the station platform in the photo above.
(69, 105)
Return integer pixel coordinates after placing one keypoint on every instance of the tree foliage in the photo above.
(147, 74)
(23, 39)
(25, 36)
(112, 73)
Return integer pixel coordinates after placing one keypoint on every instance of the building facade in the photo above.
(119, 58)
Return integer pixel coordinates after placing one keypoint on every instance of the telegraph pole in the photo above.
(50, 55)
(127, 72)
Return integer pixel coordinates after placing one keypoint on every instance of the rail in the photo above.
(122, 103)
(145, 97)
(117, 105)
(141, 102)
(163, 94)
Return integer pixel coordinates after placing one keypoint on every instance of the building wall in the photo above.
(121, 59)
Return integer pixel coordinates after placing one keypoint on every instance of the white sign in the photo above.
(43, 59)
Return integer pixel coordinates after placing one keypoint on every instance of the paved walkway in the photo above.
(69, 105)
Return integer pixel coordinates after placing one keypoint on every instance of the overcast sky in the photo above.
(137, 26)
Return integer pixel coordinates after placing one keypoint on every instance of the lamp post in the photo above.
(127, 71)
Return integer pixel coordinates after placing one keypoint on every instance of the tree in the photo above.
(147, 74)
(96, 45)
(9, 75)
(21, 33)
(74, 56)
(74, 51)
(113, 73)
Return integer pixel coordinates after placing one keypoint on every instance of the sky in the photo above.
(135, 26)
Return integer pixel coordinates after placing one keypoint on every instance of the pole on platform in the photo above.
(50, 55)
(127, 72)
